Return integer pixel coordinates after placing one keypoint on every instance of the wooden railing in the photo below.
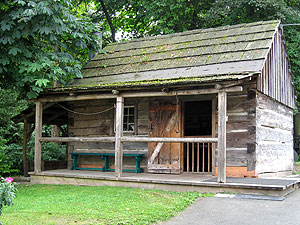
(198, 157)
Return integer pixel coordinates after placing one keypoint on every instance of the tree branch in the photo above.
(112, 28)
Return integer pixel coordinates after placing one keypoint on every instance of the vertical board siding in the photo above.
(274, 136)
(276, 79)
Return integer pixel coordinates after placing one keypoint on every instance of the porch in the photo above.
(170, 182)
(199, 153)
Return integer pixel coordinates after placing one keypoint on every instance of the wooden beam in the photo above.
(168, 139)
(38, 135)
(222, 108)
(78, 139)
(119, 134)
(26, 116)
(129, 139)
(138, 94)
(25, 138)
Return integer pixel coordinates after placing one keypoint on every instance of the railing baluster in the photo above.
(203, 161)
(188, 158)
(208, 157)
(193, 156)
(198, 157)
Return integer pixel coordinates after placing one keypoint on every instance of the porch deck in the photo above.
(183, 182)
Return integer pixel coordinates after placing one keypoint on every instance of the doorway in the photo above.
(197, 157)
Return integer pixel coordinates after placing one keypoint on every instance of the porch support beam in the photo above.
(38, 135)
(118, 136)
(222, 117)
(138, 94)
(25, 141)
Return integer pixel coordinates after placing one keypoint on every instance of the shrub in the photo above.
(7, 192)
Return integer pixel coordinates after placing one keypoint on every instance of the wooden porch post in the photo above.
(222, 116)
(25, 139)
(119, 134)
(38, 135)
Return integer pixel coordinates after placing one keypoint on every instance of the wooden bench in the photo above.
(105, 156)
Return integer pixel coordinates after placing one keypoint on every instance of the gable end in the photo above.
(276, 79)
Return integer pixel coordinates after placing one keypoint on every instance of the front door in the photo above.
(164, 121)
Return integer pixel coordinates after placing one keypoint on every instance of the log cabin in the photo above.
(214, 101)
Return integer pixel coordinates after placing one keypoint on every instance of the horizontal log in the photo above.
(138, 94)
(169, 140)
(129, 139)
(77, 139)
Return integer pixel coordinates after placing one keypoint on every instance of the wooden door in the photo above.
(164, 121)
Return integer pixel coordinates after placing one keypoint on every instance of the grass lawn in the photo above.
(66, 204)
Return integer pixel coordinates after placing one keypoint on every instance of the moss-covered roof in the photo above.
(202, 54)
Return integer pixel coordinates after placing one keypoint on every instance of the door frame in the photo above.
(213, 99)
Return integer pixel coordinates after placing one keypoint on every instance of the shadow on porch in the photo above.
(170, 182)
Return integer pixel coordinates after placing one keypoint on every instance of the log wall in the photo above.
(274, 136)
(240, 132)
(103, 125)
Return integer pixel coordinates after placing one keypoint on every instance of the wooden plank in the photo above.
(155, 152)
(118, 136)
(38, 135)
(97, 96)
(222, 107)
(168, 139)
(77, 139)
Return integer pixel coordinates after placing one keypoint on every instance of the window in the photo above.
(129, 119)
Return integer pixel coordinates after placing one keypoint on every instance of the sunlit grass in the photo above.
(66, 204)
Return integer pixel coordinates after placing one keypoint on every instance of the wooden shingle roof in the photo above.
(223, 53)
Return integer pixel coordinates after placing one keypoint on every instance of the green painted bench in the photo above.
(105, 156)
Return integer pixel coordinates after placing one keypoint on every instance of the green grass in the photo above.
(66, 204)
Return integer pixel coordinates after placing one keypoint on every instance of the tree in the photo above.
(41, 42)
(229, 12)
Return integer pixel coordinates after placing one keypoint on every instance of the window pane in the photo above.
(125, 128)
(125, 119)
(131, 111)
(125, 110)
(130, 127)
(131, 119)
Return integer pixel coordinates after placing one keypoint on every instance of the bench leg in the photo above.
(106, 163)
(75, 162)
(138, 168)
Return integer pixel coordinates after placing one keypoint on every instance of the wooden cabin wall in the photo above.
(103, 125)
(240, 152)
(276, 79)
(274, 135)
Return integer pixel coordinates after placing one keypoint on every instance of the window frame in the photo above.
(135, 122)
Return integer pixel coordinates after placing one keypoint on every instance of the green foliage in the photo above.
(65, 204)
(7, 192)
(6, 165)
(141, 17)
(229, 12)
(42, 41)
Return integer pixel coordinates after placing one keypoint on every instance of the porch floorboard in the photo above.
(182, 182)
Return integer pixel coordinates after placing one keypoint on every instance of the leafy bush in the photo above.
(7, 192)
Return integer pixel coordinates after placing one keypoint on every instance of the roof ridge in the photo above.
(195, 31)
